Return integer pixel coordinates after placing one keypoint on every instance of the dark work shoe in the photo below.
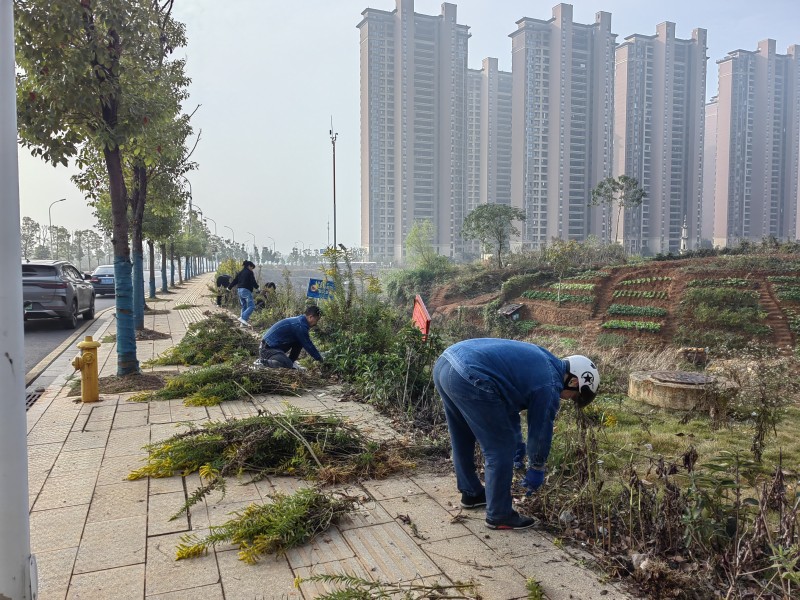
(468, 501)
(515, 521)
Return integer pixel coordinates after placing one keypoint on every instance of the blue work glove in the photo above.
(519, 455)
(533, 480)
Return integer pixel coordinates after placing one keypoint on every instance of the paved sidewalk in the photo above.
(98, 536)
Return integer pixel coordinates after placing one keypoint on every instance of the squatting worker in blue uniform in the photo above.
(484, 384)
(282, 343)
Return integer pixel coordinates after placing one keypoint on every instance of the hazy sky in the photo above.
(269, 75)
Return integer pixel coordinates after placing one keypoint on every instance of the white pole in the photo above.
(15, 553)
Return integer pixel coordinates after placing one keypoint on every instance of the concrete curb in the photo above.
(42, 365)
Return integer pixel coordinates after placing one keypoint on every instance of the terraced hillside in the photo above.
(700, 302)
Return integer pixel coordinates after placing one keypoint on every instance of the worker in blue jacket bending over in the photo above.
(484, 384)
(282, 343)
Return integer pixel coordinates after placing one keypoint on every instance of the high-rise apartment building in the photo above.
(709, 174)
(562, 108)
(413, 128)
(757, 187)
(659, 115)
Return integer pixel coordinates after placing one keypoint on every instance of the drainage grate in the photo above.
(30, 399)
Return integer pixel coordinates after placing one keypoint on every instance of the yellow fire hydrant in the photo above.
(87, 364)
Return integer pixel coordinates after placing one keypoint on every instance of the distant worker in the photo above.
(246, 283)
(282, 343)
(484, 384)
(223, 281)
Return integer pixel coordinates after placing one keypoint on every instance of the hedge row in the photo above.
(637, 325)
(644, 280)
(588, 287)
(636, 311)
(660, 295)
(724, 282)
(554, 297)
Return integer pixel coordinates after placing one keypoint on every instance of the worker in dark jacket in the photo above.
(484, 384)
(246, 282)
(282, 343)
(223, 281)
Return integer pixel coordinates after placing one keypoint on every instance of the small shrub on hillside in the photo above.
(569, 285)
(728, 298)
(514, 286)
(610, 340)
(788, 293)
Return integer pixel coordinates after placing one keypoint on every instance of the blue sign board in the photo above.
(319, 288)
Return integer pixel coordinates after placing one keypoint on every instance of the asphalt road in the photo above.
(42, 336)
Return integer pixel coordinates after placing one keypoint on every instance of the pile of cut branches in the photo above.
(214, 340)
(208, 386)
(288, 521)
(324, 447)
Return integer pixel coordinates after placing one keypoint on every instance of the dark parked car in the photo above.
(55, 288)
(103, 279)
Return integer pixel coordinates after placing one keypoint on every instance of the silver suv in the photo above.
(55, 288)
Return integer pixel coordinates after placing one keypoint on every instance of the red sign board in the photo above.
(421, 317)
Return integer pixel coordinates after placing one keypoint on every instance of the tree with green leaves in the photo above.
(84, 73)
(493, 226)
(623, 191)
(28, 233)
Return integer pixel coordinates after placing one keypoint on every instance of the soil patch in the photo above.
(142, 335)
(126, 384)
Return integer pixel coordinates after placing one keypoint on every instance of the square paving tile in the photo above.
(328, 546)
(467, 559)
(84, 440)
(119, 500)
(392, 488)
(389, 553)
(111, 584)
(161, 508)
(109, 544)
(424, 518)
(70, 490)
(206, 592)
(57, 528)
(70, 462)
(165, 574)
(54, 570)
(269, 578)
(348, 566)
(115, 469)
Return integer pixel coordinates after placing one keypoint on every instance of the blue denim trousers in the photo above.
(247, 302)
(475, 411)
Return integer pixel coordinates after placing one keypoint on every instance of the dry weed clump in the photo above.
(217, 339)
(287, 522)
(323, 447)
(209, 386)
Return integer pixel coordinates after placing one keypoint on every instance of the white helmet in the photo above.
(585, 371)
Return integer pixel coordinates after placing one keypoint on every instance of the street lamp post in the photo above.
(333, 144)
(216, 263)
(233, 235)
(50, 219)
(255, 248)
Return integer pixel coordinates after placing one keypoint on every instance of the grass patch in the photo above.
(212, 341)
(184, 306)
(287, 522)
(209, 386)
(323, 447)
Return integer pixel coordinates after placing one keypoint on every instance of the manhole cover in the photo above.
(683, 377)
(31, 398)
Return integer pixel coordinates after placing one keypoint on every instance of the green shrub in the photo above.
(514, 286)
(790, 279)
(636, 311)
(525, 327)
(722, 297)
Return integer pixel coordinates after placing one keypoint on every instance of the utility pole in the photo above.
(50, 221)
(333, 143)
(17, 566)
